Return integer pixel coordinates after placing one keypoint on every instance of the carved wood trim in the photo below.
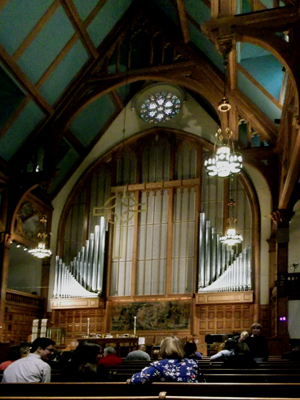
(78, 303)
(224, 298)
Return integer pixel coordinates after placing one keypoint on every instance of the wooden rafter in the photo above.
(36, 30)
(56, 61)
(76, 21)
(183, 20)
(19, 75)
(259, 86)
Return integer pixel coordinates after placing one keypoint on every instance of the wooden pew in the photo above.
(122, 376)
(115, 389)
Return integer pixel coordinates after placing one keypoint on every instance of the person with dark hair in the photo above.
(228, 351)
(13, 354)
(190, 350)
(83, 367)
(294, 353)
(257, 344)
(32, 368)
(173, 367)
(242, 357)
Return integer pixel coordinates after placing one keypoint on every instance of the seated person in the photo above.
(294, 353)
(242, 357)
(139, 354)
(242, 347)
(190, 349)
(83, 367)
(226, 353)
(173, 367)
(34, 367)
(257, 344)
(110, 357)
(13, 354)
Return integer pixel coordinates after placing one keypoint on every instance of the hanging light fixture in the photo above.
(41, 251)
(231, 237)
(224, 161)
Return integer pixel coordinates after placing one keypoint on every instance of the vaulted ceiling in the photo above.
(68, 68)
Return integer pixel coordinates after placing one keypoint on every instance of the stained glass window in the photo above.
(160, 107)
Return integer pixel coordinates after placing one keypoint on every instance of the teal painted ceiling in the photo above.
(45, 45)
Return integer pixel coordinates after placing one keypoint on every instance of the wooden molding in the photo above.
(224, 298)
(61, 304)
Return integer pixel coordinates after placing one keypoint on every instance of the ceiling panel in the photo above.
(17, 19)
(84, 8)
(87, 125)
(258, 97)
(38, 56)
(111, 12)
(20, 130)
(62, 75)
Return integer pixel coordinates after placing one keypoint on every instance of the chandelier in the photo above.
(41, 251)
(224, 161)
(231, 237)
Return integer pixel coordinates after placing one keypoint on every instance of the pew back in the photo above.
(114, 389)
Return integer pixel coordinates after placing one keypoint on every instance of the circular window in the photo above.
(159, 102)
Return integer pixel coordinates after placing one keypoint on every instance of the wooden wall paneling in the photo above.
(75, 322)
(265, 319)
(220, 319)
(20, 310)
(18, 323)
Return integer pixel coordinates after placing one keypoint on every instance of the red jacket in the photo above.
(110, 360)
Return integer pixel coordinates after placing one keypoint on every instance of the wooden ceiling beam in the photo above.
(3, 4)
(94, 12)
(76, 144)
(14, 116)
(260, 87)
(19, 75)
(183, 21)
(255, 117)
(36, 30)
(77, 23)
(279, 19)
(117, 99)
(291, 177)
(57, 60)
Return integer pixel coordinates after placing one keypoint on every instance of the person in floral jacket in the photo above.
(173, 367)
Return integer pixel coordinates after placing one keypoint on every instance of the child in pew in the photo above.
(242, 356)
(172, 367)
(83, 367)
(190, 349)
(226, 353)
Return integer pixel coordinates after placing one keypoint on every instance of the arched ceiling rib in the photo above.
(56, 56)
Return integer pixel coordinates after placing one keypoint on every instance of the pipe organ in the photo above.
(84, 276)
(219, 268)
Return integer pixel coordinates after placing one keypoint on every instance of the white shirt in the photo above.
(222, 354)
(28, 369)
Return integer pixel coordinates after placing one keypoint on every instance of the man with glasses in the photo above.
(32, 368)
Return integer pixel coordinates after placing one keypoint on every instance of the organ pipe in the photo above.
(84, 276)
(219, 268)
